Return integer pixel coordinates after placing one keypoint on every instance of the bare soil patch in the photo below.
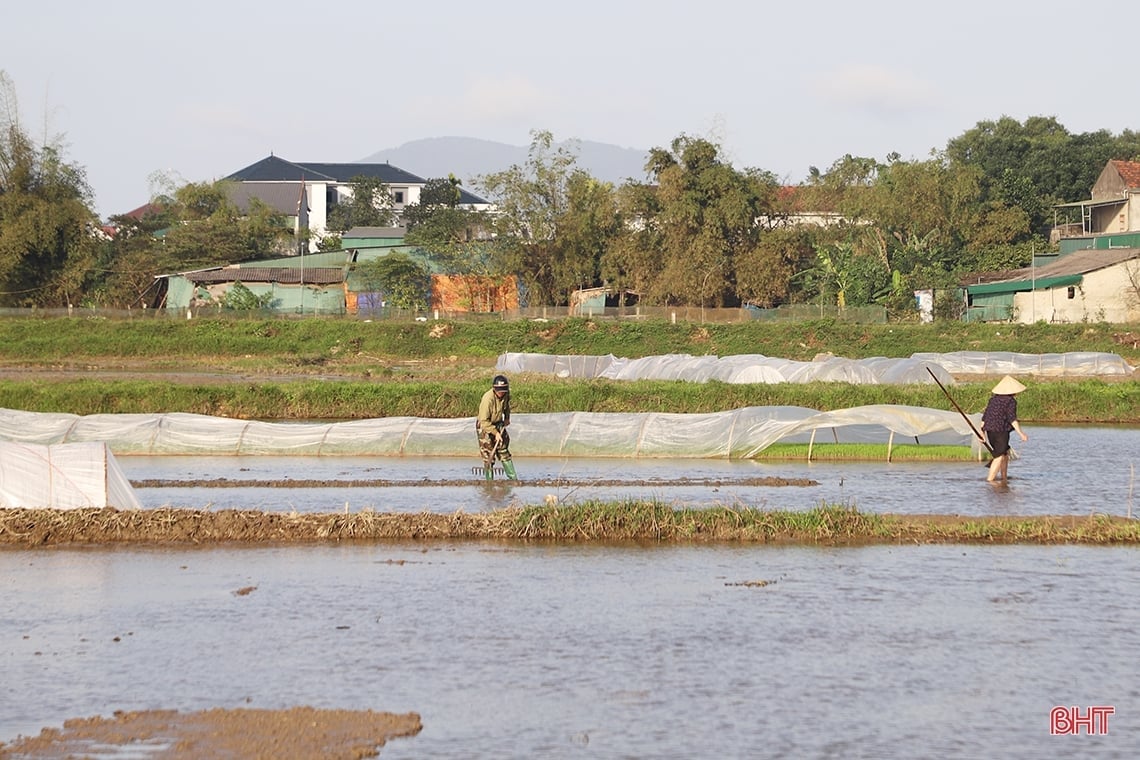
(298, 733)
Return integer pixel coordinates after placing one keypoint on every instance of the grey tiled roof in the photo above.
(375, 232)
(1078, 262)
(276, 169)
(282, 197)
(283, 275)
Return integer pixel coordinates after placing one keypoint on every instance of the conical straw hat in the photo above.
(1008, 387)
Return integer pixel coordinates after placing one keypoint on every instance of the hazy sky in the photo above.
(198, 90)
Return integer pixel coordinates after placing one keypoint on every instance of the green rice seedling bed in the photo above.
(869, 452)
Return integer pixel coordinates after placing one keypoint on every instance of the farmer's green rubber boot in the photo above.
(509, 468)
(489, 473)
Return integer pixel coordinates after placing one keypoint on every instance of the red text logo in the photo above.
(1070, 720)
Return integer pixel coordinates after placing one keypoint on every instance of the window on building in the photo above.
(1072, 292)
(398, 196)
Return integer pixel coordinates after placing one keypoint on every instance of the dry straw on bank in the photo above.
(590, 521)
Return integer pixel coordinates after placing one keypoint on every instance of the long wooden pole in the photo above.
(966, 417)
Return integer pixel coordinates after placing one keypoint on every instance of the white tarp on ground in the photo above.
(757, 368)
(735, 434)
(62, 476)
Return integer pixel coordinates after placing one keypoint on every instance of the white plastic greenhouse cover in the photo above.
(736, 434)
(1070, 364)
(62, 476)
(757, 368)
(740, 368)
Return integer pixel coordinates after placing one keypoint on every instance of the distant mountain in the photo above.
(468, 157)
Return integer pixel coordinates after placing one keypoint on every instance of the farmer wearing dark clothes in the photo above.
(998, 420)
(491, 428)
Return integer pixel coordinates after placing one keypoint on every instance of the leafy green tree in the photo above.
(438, 220)
(904, 226)
(706, 219)
(846, 177)
(1039, 163)
(848, 275)
(454, 239)
(405, 283)
(924, 211)
(632, 260)
(47, 228)
(765, 273)
(551, 225)
(240, 298)
(997, 258)
(588, 226)
(127, 264)
(193, 227)
(371, 205)
(209, 230)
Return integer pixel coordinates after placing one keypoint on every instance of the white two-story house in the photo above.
(306, 192)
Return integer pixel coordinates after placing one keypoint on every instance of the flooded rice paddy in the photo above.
(594, 651)
(541, 650)
(1061, 470)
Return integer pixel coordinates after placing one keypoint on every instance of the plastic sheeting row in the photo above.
(757, 368)
(63, 476)
(1069, 364)
(736, 434)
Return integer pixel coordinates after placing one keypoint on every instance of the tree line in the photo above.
(695, 231)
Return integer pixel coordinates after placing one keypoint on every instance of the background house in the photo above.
(1089, 285)
(1093, 276)
(1112, 209)
(306, 192)
(326, 282)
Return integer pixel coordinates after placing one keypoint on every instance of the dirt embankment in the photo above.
(31, 528)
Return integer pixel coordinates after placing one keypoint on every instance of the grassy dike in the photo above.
(308, 344)
(345, 369)
(1068, 401)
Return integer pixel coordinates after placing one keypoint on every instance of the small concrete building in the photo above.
(1112, 209)
(1084, 286)
(293, 289)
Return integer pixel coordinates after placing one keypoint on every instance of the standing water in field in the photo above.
(545, 650)
(1072, 470)
(537, 649)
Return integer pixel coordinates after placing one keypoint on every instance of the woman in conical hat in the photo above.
(998, 421)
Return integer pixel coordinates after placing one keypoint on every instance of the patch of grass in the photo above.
(641, 520)
(404, 394)
(867, 452)
(64, 339)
